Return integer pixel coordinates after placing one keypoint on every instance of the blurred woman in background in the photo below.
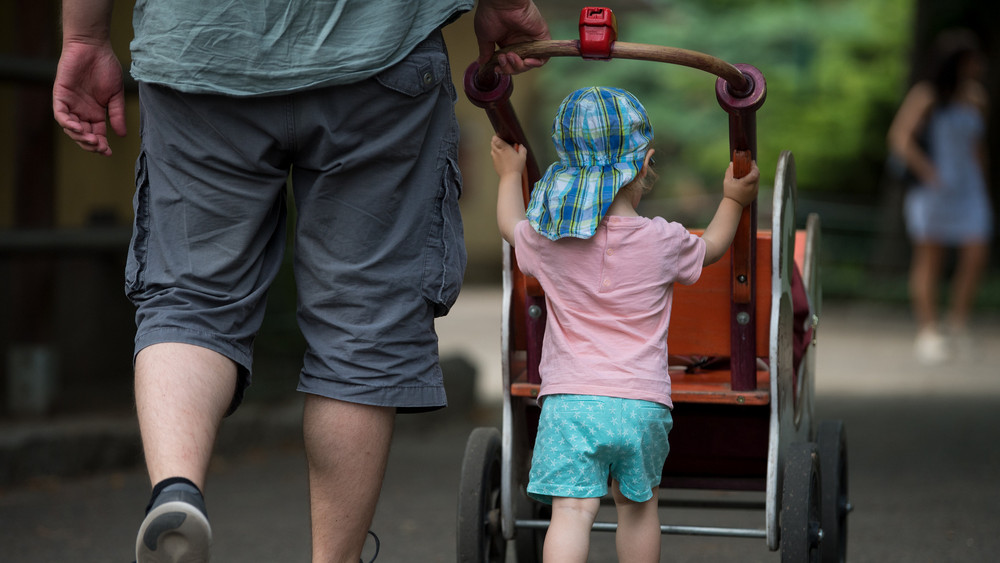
(939, 134)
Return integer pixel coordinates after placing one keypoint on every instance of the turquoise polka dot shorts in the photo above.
(582, 439)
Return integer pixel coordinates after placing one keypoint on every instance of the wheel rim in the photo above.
(492, 540)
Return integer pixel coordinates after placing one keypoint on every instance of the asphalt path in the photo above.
(923, 451)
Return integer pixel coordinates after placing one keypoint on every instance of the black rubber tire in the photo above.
(831, 442)
(480, 539)
(801, 510)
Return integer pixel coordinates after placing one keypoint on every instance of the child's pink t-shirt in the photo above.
(608, 300)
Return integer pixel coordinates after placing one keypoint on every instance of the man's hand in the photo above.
(88, 94)
(508, 22)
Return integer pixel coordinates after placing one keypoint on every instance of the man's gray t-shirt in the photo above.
(248, 48)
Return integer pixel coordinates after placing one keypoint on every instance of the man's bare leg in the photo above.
(347, 447)
(181, 394)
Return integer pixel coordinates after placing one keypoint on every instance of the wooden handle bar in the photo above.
(622, 50)
(742, 163)
(742, 267)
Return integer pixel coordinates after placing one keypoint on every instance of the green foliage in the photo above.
(835, 72)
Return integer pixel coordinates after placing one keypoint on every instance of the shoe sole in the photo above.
(174, 532)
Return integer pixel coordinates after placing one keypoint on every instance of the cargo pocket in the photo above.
(423, 70)
(445, 256)
(135, 264)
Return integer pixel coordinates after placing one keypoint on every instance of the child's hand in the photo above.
(509, 163)
(737, 194)
(507, 160)
(741, 190)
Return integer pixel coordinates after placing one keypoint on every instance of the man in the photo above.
(350, 99)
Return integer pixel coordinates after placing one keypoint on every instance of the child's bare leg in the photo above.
(638, 536)
(568, 537)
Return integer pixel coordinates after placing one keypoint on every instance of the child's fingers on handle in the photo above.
(499, 143)
(742, 163)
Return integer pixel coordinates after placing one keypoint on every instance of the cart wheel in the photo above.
(800, 506)
(528, 542)
(480, 538)
(832, 445)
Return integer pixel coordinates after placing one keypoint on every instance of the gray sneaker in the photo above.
(175, 530)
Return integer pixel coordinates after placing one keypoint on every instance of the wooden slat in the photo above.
(714, 387)
(706, 387)
(522, 389)
(699, 321)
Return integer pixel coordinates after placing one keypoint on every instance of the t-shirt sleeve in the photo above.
(689, 255)
(525, 249)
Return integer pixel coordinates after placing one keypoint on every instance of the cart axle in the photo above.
(667, 530)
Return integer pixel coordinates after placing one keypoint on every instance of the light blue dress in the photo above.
(958, 209)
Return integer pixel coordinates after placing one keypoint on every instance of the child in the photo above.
(607, 273)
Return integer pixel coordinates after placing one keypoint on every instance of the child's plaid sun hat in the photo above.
(601, 136)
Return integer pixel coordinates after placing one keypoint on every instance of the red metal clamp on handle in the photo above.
(598, 30)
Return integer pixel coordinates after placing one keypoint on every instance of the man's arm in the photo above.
(89, 90)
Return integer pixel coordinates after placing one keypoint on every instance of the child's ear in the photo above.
(646, 161)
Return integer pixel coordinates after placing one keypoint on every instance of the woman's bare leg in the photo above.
(972, 261)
